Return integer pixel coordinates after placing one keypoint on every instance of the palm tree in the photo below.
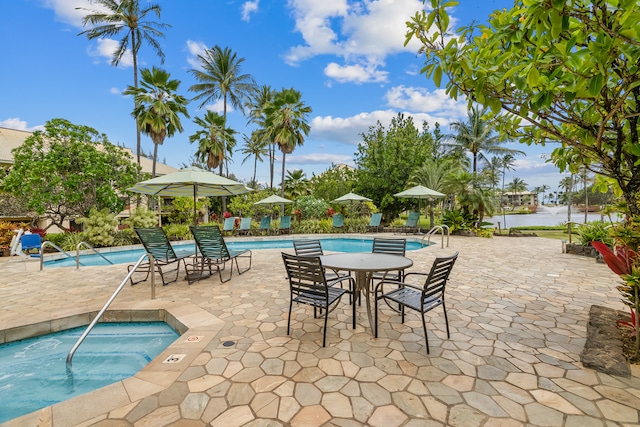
(212, 138)
(567, 184)
(492, 171)
(433, 174)
(517, 185)
(126, 17)
(220, 77)
(507, 163)
(476, 137)
(253, 146)
(260, 99)
(158, 107)
(296, 183)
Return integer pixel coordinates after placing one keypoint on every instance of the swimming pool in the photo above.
(341, 244)
(33, 372)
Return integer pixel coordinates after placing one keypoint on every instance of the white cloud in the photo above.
(318, 158)
(422, 100)
(104, 50)
(17, 124)
(249, 8)
(355, 73)
(218, 107)
(194, 49)
(115, 91)
(71, 11)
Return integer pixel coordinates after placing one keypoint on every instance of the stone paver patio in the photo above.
(517, 309)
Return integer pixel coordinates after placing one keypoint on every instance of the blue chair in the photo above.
(30, 242)
(265, 224)
(374, 222)
(338, 222)
(411, 226)
(229, 224)
(285, 224)
(245, 226)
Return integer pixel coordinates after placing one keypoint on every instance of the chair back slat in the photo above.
(210, 241)
(412, 219)
(338, 220)
(438, 276)
(285, 222)
(383, 245)
(306, 277)
(375, 219)
(308, 247)
(265, 223)
(229, 223)
(245, 223)
(156, 243)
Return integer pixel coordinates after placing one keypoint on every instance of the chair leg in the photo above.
(324, 335)
(289, 319)
(446, 319)
(424, 327)
(375, 315)
(353, 314)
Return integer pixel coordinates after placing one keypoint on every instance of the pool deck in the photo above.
(517, 309)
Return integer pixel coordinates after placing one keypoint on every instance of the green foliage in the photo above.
(56, 238)
(567, 68)
(311, 207)
(6, 232)
(71, 240)
(142, 217)
(177, 231)
(459, 220)
(65, 170)
(99, 227)
(358, 224)
(386, 159)
(125, 237)
(244, 205)
(332, 183)
(484, 232)
(181, 211)
(312, 226)
(594, 231)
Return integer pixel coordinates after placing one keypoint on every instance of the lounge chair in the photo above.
(285, 224)
(213, 252)
(338, 222)
(229, 224)
(411, 226)
(245, 226)
(374, 222)
(156, 243)
(265, 225)
(309, 285)
(421, 298)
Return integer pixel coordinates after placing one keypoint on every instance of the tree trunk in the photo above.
(282, 189)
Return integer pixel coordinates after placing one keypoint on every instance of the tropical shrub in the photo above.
(70, 240)
(6, 233)
(181, 210)
(177, 231)
(99, 227)
(57, 239)
(141, 218)
(312, 207)
(594, 232)
(459, 220)
(125, 237)
(357, 224)
(484, 232)
(313, 226)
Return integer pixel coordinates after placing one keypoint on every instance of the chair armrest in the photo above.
(342, 278)
(398, 283)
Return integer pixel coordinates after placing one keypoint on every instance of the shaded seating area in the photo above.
(214, 253)
(309, 285)
(374, 222)
(285, 224)
(157, 244)
(421, 298)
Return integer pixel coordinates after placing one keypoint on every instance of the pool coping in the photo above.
(196, 326)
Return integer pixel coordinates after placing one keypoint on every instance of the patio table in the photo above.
(364, 264)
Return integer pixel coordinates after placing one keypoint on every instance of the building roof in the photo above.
(12, 138)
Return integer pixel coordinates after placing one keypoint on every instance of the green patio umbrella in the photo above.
(421, 192)
(350, 198)
(190, 181)
(273, 200)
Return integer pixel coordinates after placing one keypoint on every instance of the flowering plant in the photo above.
(226, 215)
(330, 212)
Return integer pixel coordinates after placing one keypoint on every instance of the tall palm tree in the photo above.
(492, 171)
(507, 161)
(212, 138)
(433, 174)
(296, 183)
(477, 138)
(517, 185)
(287, 124)
(125, 18)
(567, 183)
(255, 147)
(158, 107)
(220, 77)
(260, 99)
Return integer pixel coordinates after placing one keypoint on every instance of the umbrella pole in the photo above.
(160, 211)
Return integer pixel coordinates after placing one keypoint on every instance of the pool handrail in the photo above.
(88, 246)
(433, 231)
(110, 300)
(48, 243)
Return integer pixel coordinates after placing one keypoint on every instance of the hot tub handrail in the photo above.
(113, 297)
(88, 246)
(59, 249)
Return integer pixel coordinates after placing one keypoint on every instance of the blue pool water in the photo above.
(131, 256)
(33, 372)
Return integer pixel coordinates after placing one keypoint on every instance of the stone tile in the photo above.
(338, 405)
(387, 416)
(310, 416)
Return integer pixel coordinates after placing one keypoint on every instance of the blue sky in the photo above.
(346, 58)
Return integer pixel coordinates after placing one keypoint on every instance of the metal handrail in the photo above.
(108, 303)
(569, 228)
(88, 246)
(48, 243)
(433, 231)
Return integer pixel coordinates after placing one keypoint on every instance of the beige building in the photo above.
(525, 198)
(12, 138)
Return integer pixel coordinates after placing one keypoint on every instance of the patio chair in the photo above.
(265, 225)
(422, 298)
(384, 245)
(374, 222)
(213, 252)
(338, 222)
(285, 224)
(229, 224)
(411, 226)
(156, 243)
(309, 285)
(245, 226)
(313, 248)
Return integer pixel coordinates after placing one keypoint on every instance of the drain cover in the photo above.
(228, 343)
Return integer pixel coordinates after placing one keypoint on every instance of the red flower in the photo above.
(226, 215)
